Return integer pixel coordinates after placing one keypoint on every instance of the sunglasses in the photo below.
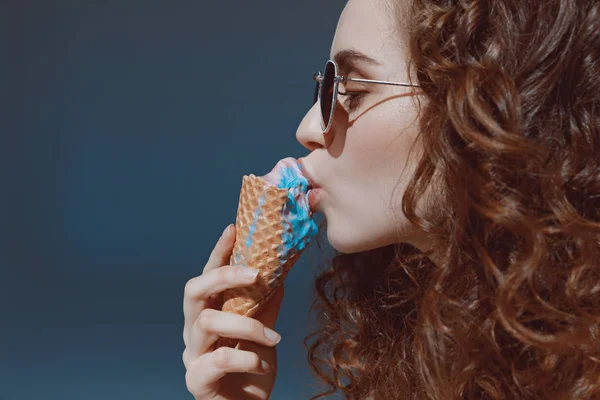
(326, 90)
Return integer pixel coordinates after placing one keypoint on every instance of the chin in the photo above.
(347, 241)
(343, 246)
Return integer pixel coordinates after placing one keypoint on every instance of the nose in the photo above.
(309, 132)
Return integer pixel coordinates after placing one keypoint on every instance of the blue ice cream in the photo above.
(275, 224)
(287, 174)
(297, 219)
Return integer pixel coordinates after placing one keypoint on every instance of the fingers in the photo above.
(222, 250)
(219, 279)
(205, 365)
(192, 300)
(212, 282)
(213, 366)
(212, 324)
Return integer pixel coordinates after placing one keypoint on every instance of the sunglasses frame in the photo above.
(336, 80)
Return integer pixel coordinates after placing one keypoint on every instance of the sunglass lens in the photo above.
(327, 93)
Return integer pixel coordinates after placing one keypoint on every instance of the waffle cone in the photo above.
(265, 252)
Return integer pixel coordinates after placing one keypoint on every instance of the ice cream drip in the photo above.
(296, 217)
(273, 226)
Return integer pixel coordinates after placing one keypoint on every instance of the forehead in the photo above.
(367, 26)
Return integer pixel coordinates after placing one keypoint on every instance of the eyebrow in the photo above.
(349, 60)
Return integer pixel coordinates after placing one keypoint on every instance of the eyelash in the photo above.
(353, 99)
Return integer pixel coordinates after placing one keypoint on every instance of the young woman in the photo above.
(456, 144)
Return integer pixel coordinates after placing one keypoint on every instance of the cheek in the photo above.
(378, 147)
(375, 161)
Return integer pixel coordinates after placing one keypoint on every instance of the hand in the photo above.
(223, 373)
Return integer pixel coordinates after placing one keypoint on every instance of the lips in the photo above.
(309, 178)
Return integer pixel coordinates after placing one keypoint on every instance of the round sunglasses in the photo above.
(326, 90)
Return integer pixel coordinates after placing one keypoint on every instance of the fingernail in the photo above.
(265, 366)
(226, 231)
(272, 335)
(249, 273)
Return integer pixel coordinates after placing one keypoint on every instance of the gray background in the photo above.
(126, 128)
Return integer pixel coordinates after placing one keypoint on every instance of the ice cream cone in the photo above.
(273, 227)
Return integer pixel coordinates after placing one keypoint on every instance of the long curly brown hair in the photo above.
(511, 310)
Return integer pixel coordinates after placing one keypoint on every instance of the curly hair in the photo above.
(511, 310)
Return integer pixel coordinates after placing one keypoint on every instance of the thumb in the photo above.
(270, 310)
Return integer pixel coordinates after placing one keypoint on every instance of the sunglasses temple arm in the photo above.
(381, 82)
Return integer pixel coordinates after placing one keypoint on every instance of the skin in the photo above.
(209, 367)
(357, 164)
(366, 153)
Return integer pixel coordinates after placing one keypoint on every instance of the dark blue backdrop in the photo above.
(127, 126)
